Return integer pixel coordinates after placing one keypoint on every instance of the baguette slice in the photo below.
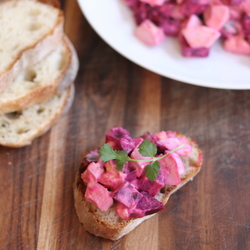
(107, 224)
(40, 82)
(19, 128)
(30, 30)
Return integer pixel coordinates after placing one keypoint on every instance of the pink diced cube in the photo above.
(149, 33)
(200, 36)
(99, 195)
(153, 2)
(169, 167)
(193, 21)
(216, 16)
(92, 173)
(112, 178)
(176, 13)
(245, 6)
(237, 45)
(122, 211)
(128, 195)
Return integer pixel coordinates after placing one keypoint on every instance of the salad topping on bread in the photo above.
(129, 172)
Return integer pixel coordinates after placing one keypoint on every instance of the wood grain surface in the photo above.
(211, 212)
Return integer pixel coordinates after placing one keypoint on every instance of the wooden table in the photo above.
(212, 212)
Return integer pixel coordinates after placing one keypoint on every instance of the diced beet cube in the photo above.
(92, 173)
(120, 139)
(171, 27)
(159, 14)
(128, 195)
(232, 2)
(122, 211)
(149, 33)
(152, 188)
(170, 141)
(153, 2)
(112, 178)
(141, 12)
(130, 171)
(176, 13)
(189, 7)
(170, 168)
(200, 36)
(245, 7)
(237, 45)
(99, 195)
(216, 16)
(187, 51)
(246, 24)
(147, 205)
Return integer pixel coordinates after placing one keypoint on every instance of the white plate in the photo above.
(113, 21)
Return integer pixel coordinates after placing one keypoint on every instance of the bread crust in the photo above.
(33, 53)
(46, 125)
(98, 223)
(41, 93)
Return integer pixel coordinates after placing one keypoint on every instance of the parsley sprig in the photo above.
(146, 148)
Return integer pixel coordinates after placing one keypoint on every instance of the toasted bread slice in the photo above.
(43, 80)
(108, 224)
(19, 128)
(30, 30)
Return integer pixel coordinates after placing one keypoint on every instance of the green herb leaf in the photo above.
(120, 164)
(147, 148)
(152, 170)
(107, 153)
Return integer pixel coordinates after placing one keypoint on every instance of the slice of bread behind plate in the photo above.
(30, 30)
(43, 80)
(19, 128)
(108, 224)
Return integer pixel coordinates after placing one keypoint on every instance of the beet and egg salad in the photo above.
(128, 180)
(197, 24)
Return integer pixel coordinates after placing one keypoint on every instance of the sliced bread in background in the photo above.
(43, 80)
(30, 30)
(19, 128)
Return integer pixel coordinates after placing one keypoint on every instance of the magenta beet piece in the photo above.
(171, 27)
(169, 167)
(141, 11)
(187, 51)
(159, 14)
(130, 171)
(232, 2)
(120, 139)
(152, 188)
(246, 24)
(147, 205)
(190, 7)
(128, 195)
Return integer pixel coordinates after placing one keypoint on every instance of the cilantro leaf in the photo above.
(152, 170)
(120, 164)
(147, 148)
(107, 153)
